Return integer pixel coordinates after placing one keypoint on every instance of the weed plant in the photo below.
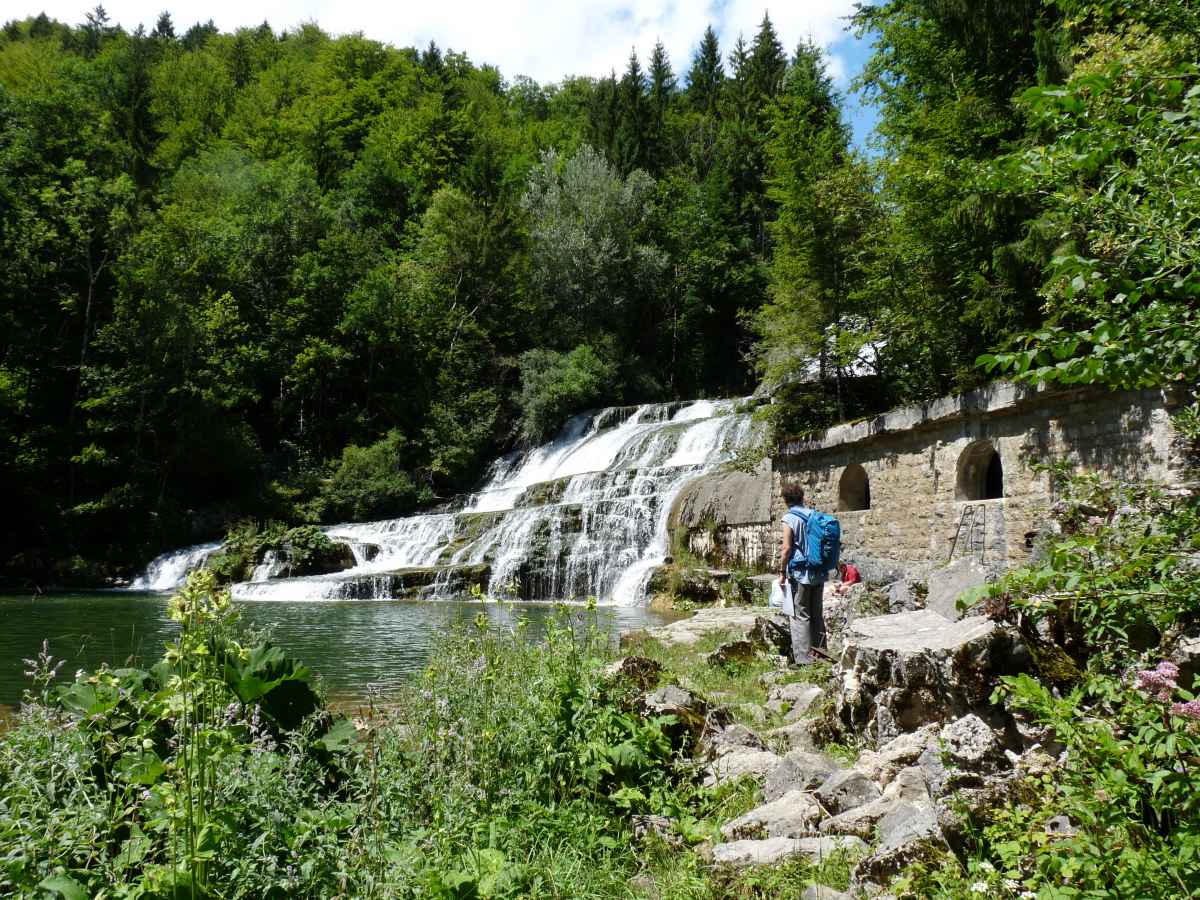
(507, 769)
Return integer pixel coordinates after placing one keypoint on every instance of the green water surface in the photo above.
(356, 646)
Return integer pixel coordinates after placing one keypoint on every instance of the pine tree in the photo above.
(662, 92)
(632, 127)
(164, 28)
(768, 62)
(707, 75)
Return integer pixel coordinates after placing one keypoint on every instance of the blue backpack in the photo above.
(822, 540)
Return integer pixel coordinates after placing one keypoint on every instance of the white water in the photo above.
(582, 516)
(167, 572)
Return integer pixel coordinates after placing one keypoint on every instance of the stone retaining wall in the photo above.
(952, 479)
(931, 471)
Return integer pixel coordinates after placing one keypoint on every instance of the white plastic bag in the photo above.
(781, 598)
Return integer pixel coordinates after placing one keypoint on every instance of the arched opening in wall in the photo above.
(980, 473)
(854, 489)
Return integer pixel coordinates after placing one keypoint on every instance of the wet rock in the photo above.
(731, 766)
(909, 833)
(641, 671)
(799, 770)
(732, 653)
(792, 815)
(901, 671)
(742, 854)
(845, 790)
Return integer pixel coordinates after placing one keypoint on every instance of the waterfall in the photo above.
(169, 571)
(583, 516)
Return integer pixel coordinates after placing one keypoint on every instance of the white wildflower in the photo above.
(979, 887)
(986, 866)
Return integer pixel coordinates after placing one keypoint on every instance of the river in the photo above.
(356, 647)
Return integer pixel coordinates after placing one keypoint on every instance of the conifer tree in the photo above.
(662, 92)
(707, 75)
(767, 64)
(630, 145)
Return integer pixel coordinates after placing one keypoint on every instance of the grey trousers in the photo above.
(808, 625)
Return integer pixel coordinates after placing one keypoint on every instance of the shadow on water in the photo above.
(357, 647)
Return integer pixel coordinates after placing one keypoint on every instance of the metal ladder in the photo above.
(973, 519)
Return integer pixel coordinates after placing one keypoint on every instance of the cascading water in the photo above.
(583, 516)
(167, 572)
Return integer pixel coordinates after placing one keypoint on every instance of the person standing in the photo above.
(807, 620)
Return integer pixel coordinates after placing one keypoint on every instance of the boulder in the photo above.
(693, 716)
(737, 621)
(796, 736)
(732, 653)
(898, 753)
(901, 671)
(661, 827)
(792, 815)
(772, 633)
(905, 595)
(799, 770)
(951, 581)
(1186, 655)
(965, 751)
(821, 892)
(798, 695)
(730, 739)
(742, 854)
(641, 671)
(908, 787)
(810, 703)
(736, 764)
(846, 789)
(909, 833)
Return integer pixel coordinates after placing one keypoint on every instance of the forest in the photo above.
(302, 278)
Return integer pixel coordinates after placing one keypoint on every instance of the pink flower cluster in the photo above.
(1189, 710)
(1159, 682)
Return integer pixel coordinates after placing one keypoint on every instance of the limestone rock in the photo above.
(971, 744)
(949, 582)
(821, 892)
(742, 854)
(798, 695)
(772, 633)
(908, 787)
(846, 789)
(693, 716)
(905, 595)
(792, 815)
(796, 736)
(901, 671)
(799, 770)
(730, 739)
(661, 827)
(736, 764)
(1186, 655)
(641, 671)
(731, 653)
(907, 834)
(736, 620)
(901, 751)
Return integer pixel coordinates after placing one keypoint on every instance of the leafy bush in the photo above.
(555, 385)
(371, 482)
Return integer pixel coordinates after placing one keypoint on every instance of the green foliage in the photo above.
(555, 385)
(371, 482)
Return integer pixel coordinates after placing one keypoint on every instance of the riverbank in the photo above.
(1041, 747)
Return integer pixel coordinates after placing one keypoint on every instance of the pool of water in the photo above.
(356, 647)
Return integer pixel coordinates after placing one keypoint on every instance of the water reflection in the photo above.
(352, 645)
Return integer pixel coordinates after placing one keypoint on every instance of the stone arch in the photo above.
(854, 489)
(980, 473)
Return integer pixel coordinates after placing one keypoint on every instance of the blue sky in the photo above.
(541, 39)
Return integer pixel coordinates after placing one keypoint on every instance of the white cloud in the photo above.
(543, 40)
